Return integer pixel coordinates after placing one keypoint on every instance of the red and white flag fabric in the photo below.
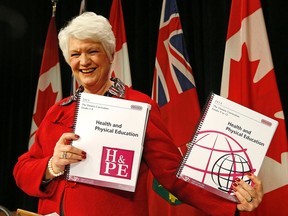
(74, 82)
(120, 66)
(49, 89)
(249, 79)
(175, 91)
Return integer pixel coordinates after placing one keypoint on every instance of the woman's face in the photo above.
(90, 65)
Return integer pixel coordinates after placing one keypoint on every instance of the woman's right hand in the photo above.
(249, 196)
(64, 154)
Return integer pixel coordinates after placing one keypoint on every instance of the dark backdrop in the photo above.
(23, 28)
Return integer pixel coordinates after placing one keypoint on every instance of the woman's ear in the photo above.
(112, 58)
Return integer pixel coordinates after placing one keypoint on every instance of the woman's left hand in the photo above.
(249, 196)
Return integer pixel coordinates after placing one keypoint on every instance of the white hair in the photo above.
(91, 26)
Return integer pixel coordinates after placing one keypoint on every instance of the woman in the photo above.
(88, 45)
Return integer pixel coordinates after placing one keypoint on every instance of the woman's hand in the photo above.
(64, 154)
(249, 196)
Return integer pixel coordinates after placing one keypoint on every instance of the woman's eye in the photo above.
(74, 54)
(94, 51)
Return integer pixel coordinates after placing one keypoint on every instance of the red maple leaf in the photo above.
(255, 95)
(261, 96)
(241, 78)
(45, 100)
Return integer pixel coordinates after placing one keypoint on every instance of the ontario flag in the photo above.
(249, 79)
(175, 92)
(49, 88)
(120, 66)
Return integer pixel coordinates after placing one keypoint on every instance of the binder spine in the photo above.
(196, 131)
(78, 99)
(76, 110)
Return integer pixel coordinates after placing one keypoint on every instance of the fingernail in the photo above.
(77, 136)
(249, 173)
(237, 179)
(235, 184)
(83, 155)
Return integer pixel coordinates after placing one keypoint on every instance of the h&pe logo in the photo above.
(116, 162)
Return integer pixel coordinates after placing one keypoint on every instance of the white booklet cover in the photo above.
(230, 141)
(112, 133)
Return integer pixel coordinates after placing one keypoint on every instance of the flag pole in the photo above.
(54, 2)
(82, 6)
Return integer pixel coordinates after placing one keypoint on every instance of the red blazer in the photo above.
(159, 155)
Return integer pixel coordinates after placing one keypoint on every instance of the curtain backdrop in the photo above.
(23, 28)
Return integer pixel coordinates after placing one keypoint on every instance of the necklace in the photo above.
(117, 90)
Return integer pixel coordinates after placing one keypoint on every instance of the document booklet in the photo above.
(112, 133)
(230, 141)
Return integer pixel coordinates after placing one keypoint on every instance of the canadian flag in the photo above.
(49, 89)
(74, 82)
(120, 66)
(249, 79)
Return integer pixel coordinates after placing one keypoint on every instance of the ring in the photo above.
(250, 200)
(64, 155)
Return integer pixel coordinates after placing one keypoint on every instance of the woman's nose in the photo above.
(84, 59)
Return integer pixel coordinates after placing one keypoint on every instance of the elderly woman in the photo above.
(88, 45)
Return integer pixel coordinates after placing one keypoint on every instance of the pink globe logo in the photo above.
(226, 159)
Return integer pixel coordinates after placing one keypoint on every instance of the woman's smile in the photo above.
(87, 71)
